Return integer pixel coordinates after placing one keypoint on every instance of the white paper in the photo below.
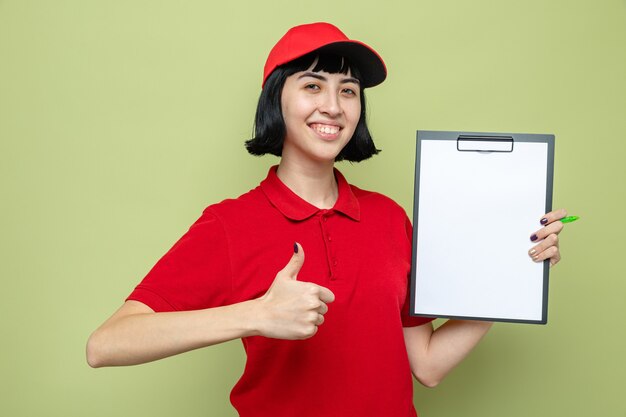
(475, 216)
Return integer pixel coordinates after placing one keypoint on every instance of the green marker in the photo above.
(569, 219)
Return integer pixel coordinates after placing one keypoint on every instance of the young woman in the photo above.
(327, 336)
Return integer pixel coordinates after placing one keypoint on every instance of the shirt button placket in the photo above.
(330, 258)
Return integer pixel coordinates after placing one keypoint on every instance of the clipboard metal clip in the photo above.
(486, 144)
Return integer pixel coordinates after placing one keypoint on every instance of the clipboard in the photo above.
(478, 198)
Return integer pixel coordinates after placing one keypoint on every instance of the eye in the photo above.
(312, 87)
(350, 91)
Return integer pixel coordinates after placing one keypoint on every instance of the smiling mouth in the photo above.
(325, 129)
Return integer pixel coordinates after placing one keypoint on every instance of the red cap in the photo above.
(300, 40)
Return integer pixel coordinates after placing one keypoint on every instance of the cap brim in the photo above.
(370, 64)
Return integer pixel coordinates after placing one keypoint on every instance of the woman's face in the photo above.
(321, 111)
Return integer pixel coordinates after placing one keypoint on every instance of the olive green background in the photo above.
(121, 120)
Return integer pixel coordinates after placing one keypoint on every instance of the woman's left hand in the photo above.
(548, 238)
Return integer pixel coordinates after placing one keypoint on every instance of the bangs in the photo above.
(327, 62)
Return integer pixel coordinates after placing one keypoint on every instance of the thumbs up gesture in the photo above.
(293, 309)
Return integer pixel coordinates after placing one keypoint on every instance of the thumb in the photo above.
(295, 263)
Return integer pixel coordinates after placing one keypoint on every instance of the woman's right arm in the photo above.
(135, 334)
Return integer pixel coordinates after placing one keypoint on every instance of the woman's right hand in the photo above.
(293, 309)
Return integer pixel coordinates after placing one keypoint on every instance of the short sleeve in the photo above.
(407, 319)
(194, 274)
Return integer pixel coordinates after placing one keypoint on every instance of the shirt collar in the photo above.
(295, 208)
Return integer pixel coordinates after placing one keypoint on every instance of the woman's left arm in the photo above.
(434, 353)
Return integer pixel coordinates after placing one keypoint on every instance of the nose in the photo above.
(330, 104)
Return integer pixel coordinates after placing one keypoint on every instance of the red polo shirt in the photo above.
(356, 364)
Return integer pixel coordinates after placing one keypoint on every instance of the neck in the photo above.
(315, 184)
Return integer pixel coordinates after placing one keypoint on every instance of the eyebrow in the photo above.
(322, 78)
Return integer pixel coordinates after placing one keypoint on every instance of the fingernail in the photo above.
(535, 258)
(544, 221)
(295, 248)
(533, 237)
(533, 251)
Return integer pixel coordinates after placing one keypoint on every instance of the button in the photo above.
(329, 238)
(335, 263)
(324, 218)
